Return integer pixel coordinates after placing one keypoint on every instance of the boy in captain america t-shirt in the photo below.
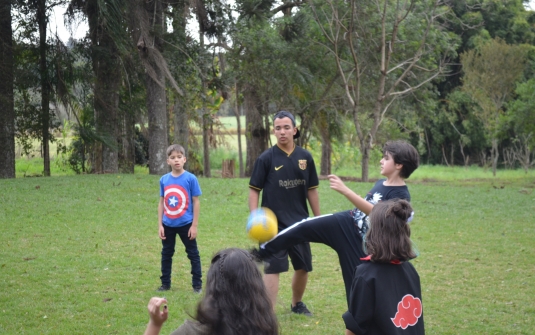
(178, 214)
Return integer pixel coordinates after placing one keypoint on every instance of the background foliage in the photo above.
(326, 61)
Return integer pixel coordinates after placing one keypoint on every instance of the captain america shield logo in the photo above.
(176, 201)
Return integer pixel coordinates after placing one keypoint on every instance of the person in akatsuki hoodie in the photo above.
(386, 298)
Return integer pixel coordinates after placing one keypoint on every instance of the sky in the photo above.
(57, 25)
(79, 31)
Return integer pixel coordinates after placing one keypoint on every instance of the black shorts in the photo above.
(300, 255)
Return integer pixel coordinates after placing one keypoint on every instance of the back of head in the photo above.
(236, 301)
(388, 237)
(403, 153)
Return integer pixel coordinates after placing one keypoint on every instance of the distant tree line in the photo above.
(455, 78)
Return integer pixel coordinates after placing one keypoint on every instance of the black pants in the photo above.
(168, 250)
(338, 231)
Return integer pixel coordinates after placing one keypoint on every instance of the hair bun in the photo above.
(402, 209)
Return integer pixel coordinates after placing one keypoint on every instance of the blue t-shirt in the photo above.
(177, 193)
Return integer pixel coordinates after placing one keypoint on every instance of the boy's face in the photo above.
(284, 130)
(388, 166)
(176, 161)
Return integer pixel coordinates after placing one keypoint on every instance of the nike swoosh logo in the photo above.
(277, 168)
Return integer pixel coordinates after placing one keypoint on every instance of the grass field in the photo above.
(80, 254)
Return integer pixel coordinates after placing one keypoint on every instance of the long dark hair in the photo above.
(236, 300)
(388, 238)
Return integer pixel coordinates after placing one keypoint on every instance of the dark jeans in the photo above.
(168, 250)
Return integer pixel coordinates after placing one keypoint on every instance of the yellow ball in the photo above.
(262, 225)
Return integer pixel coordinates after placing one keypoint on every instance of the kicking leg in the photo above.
(337, 230)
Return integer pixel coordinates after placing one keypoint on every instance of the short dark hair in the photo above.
(282, 115)
(388, 237)
(175, 147)
(233, 285)
(403, 153)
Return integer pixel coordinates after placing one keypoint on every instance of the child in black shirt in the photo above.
(344, 231)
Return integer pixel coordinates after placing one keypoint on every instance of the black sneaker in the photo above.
(197, 290)
(301, 308)
(164, 288)
(258, 255)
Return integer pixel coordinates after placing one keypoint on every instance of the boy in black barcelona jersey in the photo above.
(286, 175)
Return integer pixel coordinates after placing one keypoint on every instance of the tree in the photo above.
(383, 51)
(490, 76)
(182, 53)
(42, 21)
(257, 75)
(149, 26)
(107, 76)
(316, 97)
(521, 118)
(272, 80)
(33, 43)
(7, 109)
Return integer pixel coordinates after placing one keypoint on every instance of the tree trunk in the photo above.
(227, 168)
(238, 123)
(126, 152)
(7, 110)
(256, 132)
(181, 125)
(365, 147)
(108, 121)
(326, 150)
(106, 112)
(156, 99)
(494, 154)
(42, 21)
(206, 121)
(158, 141)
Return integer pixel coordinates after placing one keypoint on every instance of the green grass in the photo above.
(80, 254)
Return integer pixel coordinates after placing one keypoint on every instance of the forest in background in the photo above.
(455, 78)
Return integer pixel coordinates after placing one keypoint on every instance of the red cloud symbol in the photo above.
(409, 311)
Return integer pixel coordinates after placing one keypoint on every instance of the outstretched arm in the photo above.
(338, 185)
(157, 315)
